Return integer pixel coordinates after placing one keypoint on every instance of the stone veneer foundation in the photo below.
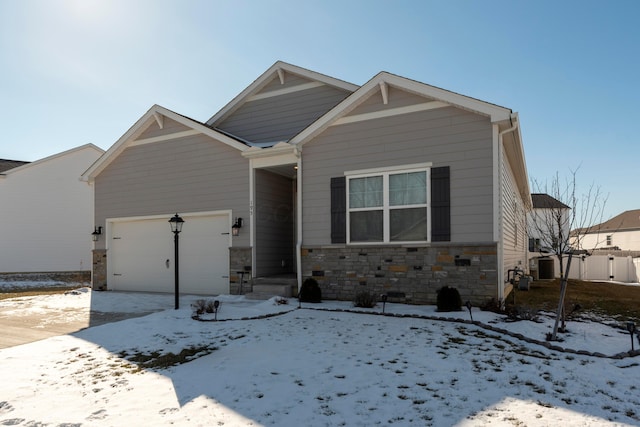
(99, 272)
(408, 274)
(240, 261)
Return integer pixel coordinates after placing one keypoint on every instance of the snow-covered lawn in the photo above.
(309, 367)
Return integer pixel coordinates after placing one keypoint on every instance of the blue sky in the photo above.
(83, 71)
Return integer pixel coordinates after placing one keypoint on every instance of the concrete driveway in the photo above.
(16, 329)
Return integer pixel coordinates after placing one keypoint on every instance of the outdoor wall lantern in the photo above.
(176, 227)
(235, 228)
(97, 231)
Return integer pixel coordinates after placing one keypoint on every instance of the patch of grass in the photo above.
(162, 361)
(604, 298)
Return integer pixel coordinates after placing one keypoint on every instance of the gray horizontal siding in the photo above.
(445, 137)
(514, 235)
(194, 174)
(281, 117)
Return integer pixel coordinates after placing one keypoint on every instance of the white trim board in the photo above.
(390, 112)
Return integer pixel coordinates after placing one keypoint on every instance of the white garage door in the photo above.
(141, 255)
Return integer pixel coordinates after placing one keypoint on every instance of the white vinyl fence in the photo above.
(605, 267)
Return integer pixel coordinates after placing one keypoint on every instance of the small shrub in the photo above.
(449, 299)
(199, 306)
(310, 291)
(365, 299)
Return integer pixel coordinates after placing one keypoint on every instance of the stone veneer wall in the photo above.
(240, 260)
(99, 273)
(406, 273)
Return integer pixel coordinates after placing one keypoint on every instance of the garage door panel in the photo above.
(142, 255)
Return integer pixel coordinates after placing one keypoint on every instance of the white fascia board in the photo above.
(518, 162)
(495, 112)
(130, 138)
(280, 69)
(277, 150)
(293, 89)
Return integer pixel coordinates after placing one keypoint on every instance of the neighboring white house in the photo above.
(46, 218)
(608, 252)
(620, 233)
(614, 249)
(547, 214)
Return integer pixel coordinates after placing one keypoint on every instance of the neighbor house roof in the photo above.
(626, 221)
(545, 201)
(5, 165)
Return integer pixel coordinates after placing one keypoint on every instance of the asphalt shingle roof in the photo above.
(6, 165)
(545, 201)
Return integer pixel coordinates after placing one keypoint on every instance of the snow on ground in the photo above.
(311, 367)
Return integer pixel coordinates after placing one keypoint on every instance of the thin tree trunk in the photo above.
(563, 292)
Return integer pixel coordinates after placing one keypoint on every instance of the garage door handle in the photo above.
(117, 274)
(222, 234)
(167, 263)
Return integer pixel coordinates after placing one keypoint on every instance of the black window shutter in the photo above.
(440, 205)
(339, 210)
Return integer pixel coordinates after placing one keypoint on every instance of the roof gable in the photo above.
(379, 87)
(140, 134)
(281, 78)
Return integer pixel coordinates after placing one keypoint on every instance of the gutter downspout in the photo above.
(298, 153)
(501, 283)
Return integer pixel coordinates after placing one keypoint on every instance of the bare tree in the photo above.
(562, 226)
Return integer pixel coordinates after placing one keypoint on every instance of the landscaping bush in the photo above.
(199, 306)
(449, 299)
(310, 291)
(365, 299)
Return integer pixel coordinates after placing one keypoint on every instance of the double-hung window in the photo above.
(388, 205)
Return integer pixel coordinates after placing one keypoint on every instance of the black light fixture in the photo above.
(235, 228)
(97, 231)
(176, 227)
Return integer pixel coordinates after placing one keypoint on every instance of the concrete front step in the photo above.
(265, 290)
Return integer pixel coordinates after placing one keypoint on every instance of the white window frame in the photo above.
(386, 208)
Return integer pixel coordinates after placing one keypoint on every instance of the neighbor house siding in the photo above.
(278, 118)
(444, 137)
(193, 174)
(46, 216)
